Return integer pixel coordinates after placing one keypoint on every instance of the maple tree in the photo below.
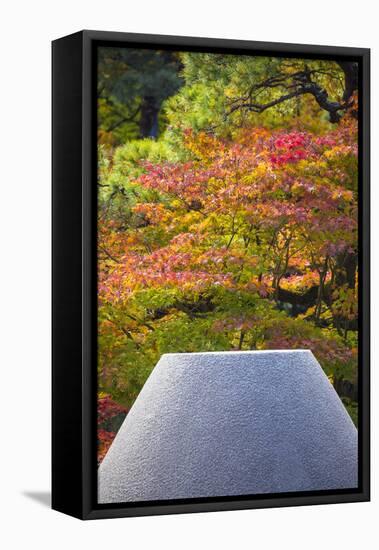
(229, 240)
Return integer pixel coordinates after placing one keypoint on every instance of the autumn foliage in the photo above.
(106, 411)
(237, 224)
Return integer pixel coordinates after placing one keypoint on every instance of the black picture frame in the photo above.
(74, 276)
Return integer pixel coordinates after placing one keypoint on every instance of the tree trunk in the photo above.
(350, 70)
(149, 117)
(346, 269)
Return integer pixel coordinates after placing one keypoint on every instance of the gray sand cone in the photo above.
(231, 423)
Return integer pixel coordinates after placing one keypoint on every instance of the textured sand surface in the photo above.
(231, 423)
